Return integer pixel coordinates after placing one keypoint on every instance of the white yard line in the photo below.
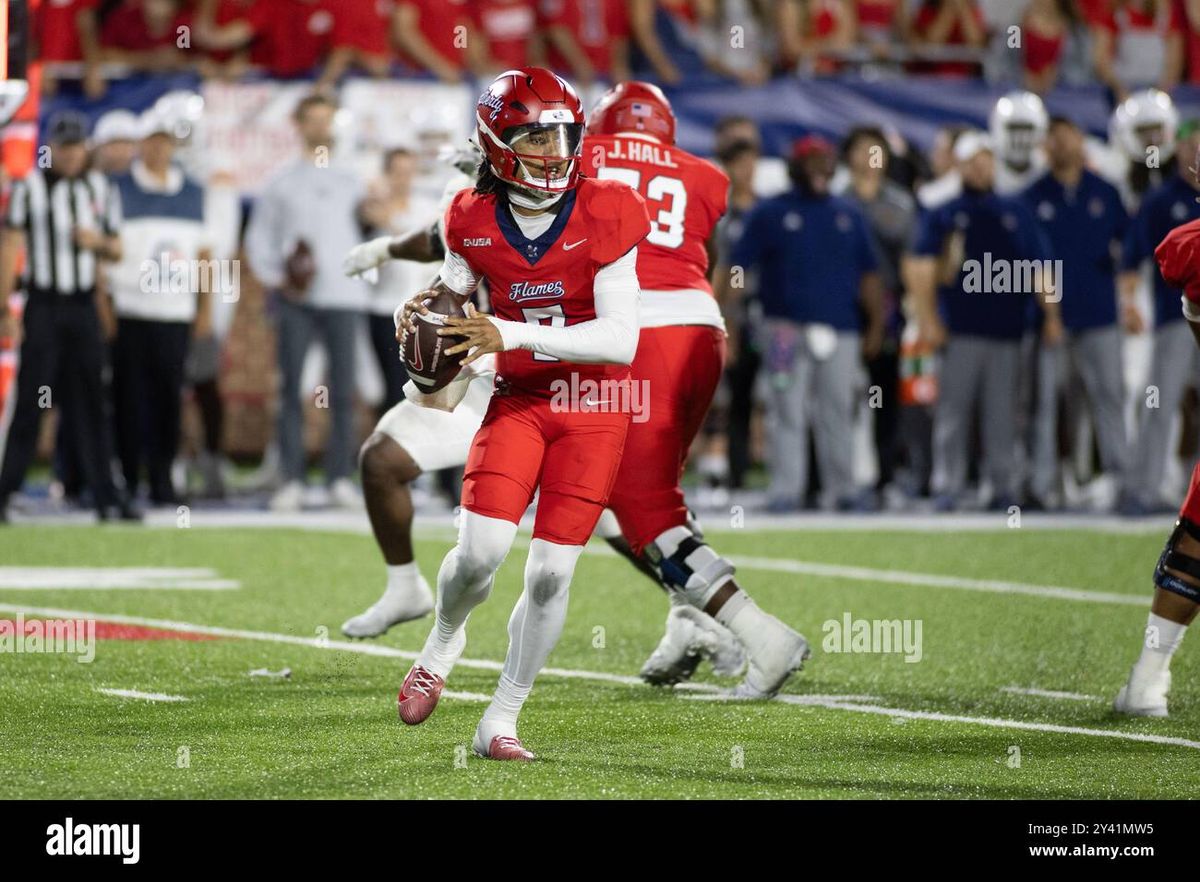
(146, 696)
(934, 580)
(466, 696)
(839, 703)
(113, 579)
(1050, 693)
(341, 522)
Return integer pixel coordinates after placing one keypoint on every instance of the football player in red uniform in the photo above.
(559, 253)
(680, 358)
(1177, 575)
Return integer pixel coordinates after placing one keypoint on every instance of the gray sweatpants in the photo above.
(298, 323)
(1174, 366)
(1094, 356)
(983, 372)
(816, 393)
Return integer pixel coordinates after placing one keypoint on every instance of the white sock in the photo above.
(533, 630)
(741, 615)
(1162, 638)
(402, 578)
(464, 582)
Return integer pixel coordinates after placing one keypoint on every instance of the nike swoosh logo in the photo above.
(596, 403)
(417, 362)
(567, 247)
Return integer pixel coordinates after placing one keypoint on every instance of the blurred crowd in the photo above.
(1124, 44)
(976, 326)
(887, 343)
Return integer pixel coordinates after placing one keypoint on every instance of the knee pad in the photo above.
(685, 564)
(548, 570)
(483, 543)
(1175, 560)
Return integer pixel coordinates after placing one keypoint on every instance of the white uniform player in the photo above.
(1018, 125)
(437, 434)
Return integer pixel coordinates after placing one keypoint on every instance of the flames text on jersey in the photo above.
(530, 291)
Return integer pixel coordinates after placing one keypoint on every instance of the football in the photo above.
(423, 350)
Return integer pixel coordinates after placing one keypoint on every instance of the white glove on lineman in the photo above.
(363, 259)
(1191, 311)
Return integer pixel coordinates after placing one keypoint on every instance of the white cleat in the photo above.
(691, 636)
(1145, 695)
(344, 495)
(678, 652)
(778, 652)
(394, 608)
(719, 646)
(288, 499)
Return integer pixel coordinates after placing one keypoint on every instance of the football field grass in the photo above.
(1010, 697)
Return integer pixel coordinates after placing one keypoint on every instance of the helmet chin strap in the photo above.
(532, 199)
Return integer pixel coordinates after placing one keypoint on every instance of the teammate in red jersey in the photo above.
(559, 254)
(680, 358)
(1177, 575)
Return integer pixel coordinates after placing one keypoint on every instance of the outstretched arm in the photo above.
(610, 338)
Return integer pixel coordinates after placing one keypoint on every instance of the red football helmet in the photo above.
(530, 128)
(636, 107)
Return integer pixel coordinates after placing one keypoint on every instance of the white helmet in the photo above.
(1018, 125)
(116, 125)
(183, 110)
(1144, 119)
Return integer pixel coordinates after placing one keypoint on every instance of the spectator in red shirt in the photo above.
(67, 30)
(361, 39)
(880, 23)
(509, 32)
(588, 38)
(949, 23)
(1130, 46)
(1183, 42)
(1045, 28)
(813, 29)
(290, 37)
(433, 35)
(147, 35)
(56, 29)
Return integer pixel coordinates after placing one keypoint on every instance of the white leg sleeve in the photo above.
(535, 626)
(464, 582)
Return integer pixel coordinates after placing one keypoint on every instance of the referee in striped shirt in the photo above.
(65, 218)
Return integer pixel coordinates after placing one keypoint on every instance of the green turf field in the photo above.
(939, 727)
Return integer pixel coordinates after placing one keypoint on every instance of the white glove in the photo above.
(1191, 311)
(363, 259)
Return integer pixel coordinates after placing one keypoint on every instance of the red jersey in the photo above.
(510, 26)
(439, 21)
(54, 25)
(595, 25)
(547, 280)
(364, 25)
(685, 195)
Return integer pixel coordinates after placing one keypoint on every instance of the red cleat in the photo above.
(505, 747)
(419, 695)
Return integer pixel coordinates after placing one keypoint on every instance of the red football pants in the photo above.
(679, 369)
(569, 456)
